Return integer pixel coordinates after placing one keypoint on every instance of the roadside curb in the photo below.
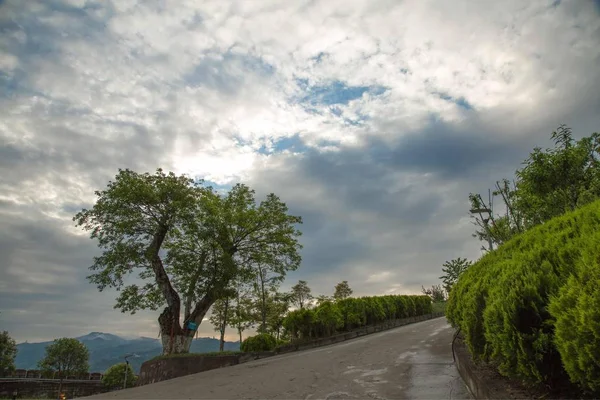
(465, 366)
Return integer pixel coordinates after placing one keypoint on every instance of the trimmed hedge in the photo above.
(330, 318)
(260, 342)
(577, 312)
(529, 306)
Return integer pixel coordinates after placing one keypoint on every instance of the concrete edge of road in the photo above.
(465, 367)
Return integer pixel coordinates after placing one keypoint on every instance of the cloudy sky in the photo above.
(372, 119)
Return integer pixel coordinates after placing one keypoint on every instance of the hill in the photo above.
(107, 349)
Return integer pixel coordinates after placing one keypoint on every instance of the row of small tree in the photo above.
(262, 306)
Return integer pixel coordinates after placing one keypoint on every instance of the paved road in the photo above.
(410, 362)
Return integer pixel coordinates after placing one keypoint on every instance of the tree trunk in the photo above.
(60, 384)
(177, 344)
(263, 300)
(175, 338)
(240, 332)
(223, 326)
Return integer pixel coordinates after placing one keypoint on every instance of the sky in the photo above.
(371, 119)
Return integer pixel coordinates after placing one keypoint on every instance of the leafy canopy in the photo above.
(452, 270)
(8, 353)
(550, 183)
(65, 356)
(187, 242)
(342, 291)
(301, 294)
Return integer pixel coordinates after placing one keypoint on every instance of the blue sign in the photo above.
(192, 326)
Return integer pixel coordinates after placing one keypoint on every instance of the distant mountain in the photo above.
(107, 349)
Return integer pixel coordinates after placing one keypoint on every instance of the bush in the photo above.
(503, 305)
(260, 342)
(114, 377)
(330, 318)
(577, 312)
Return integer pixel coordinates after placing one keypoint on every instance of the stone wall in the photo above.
(48, 388)
(172, 367)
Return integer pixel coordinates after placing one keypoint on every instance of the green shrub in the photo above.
(330, 318)
(577, 312)
(299, 323)
(353, 313)
(260, 342)
(502, 302)
(114, 377)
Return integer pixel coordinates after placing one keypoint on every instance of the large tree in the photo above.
(8, 352)
(186, 242)
(64, 358)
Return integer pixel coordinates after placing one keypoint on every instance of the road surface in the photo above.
(410, 362)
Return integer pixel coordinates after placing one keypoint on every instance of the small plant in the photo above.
(115, 376)
(260, 342)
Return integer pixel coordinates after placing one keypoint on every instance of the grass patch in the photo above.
(210, 354)
(439, 307)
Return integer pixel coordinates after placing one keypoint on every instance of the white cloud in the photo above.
(204, 90)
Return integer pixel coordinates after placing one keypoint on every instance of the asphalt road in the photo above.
(409, 362)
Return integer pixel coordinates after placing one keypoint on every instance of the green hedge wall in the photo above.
(344, 315)
(531, 306)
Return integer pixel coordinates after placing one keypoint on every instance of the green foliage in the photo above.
(219, 318)
(452, 270)
(187, 242)
(576, 309)
(439, 307)
(66, 357)
(551, 182)
(526, 306)
(330, 317)
(342, 291)
(114, 377)
(301, 294)
(560, 179)
(8, 353)
(242, 315)
(260, 342)
(327, 319)
(436, 292)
